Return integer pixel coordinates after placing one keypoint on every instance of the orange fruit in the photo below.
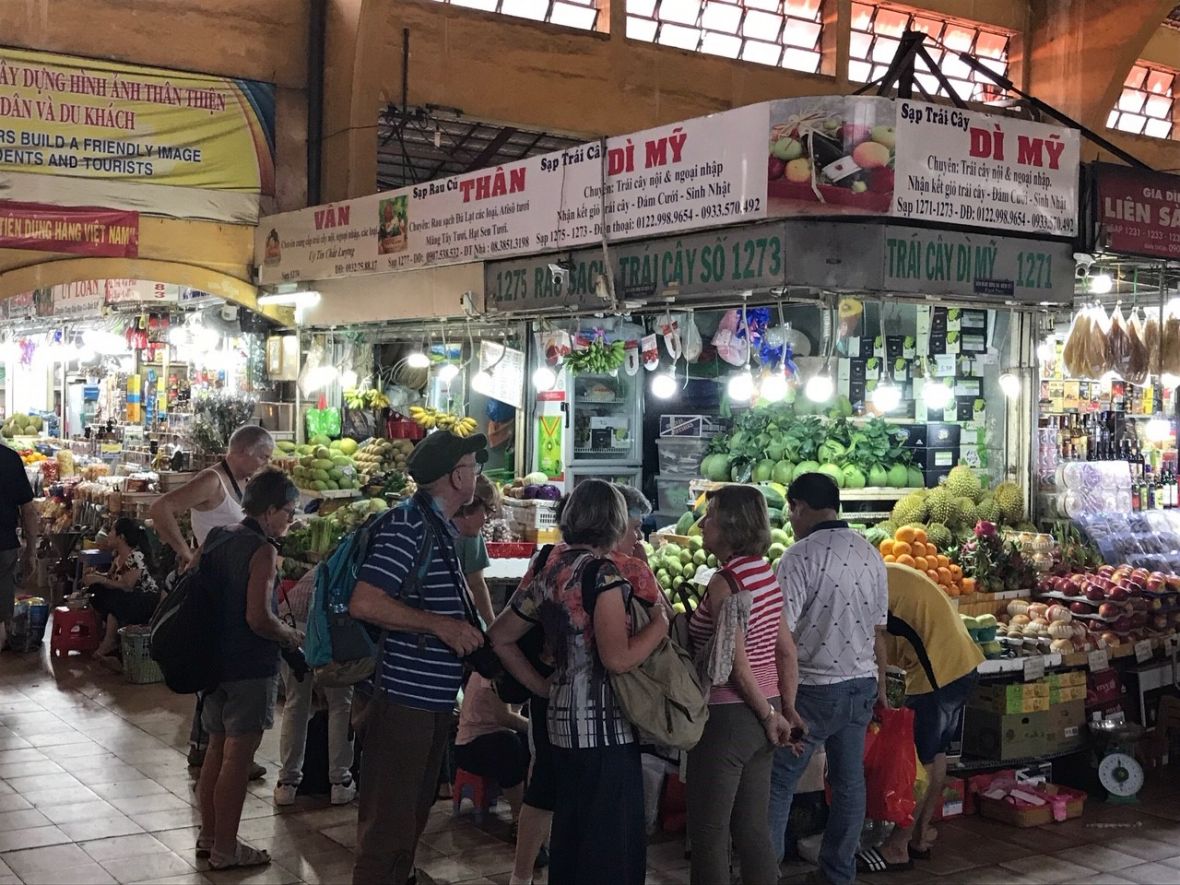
(889, 557)
(901, 548)
(917, 548)
(921, 564)
(886, 547)
(932, 575)
(905, 533)
(944, 575)
(931, 549)
(956, 571)
(906, 559)
(943, 561)
(920, 535)
(968, 585)
(953, 591)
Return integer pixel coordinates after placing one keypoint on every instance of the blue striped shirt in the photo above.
(418, 670)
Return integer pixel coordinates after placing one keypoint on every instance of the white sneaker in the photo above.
(285, 794)
(342, 794)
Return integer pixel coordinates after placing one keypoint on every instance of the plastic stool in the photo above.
(74, 629)
(482, 791)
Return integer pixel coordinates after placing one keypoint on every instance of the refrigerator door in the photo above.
(629, 475)
(605, 426)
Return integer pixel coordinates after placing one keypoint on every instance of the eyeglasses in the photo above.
(475, 466)
(290, 511)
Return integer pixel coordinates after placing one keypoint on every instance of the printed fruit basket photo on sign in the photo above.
(830, 155)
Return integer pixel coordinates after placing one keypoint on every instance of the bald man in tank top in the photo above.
(213, 498)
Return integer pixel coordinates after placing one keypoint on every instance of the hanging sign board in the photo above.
(984, 170)
(827, 156)
(501, 373)
(1136, 212)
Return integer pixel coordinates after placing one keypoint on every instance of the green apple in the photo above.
(786, 149)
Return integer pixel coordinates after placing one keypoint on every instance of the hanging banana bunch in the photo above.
(435, 419)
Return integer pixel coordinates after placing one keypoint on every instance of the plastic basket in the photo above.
(138, 666)
(510, 550)
(533, 515)
(673, 493)
(706, 426)
(681, 456)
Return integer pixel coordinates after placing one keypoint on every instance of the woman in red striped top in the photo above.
(729, 770)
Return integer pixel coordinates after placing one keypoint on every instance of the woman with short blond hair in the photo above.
(747, 654)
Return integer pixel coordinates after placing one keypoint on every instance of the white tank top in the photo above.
(228, 512)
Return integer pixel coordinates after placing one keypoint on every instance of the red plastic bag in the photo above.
(891, 767)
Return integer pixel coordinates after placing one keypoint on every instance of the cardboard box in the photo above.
(935, 459)
(1018, 814)
(991, 735)
(1067, 726)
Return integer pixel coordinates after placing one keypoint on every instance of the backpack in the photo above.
(662, 697)
(532, 646)
(341, 650)
(183, 631)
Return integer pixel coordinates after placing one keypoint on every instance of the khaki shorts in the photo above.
(244, 706)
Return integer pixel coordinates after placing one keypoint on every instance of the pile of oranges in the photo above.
(909, 546)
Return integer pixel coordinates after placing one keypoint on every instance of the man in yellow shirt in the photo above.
(928, 640)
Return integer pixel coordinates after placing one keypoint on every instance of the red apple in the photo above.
(1138, 620)
(1078, 580)
(1156, 583)
(1095, 593)
(1065, 585)
(1141, 574)
(1121, 625)
(1046, 585)
(1119, 594)
(1138, 604)
(1081, 608)
(1109, 610)
(1173, 582)
(1106, 570)
(775, 168)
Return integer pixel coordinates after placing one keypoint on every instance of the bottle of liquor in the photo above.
(1136, 503)
(1158, 501)
(1147, 490)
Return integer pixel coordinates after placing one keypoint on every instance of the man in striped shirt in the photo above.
(408, 719)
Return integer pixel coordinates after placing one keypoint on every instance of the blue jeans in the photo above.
(837, 716)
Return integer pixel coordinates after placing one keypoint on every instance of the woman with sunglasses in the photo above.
(240, 562)
(470, 546)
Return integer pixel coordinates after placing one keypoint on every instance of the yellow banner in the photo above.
(70, 116)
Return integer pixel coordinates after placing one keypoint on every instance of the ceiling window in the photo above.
(581, 14)
(780, 33)
(876, 33)
(1147, 103)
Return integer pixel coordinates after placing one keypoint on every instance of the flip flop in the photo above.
(204, 847)
(919, 853)
(872, 861)
(244, 856)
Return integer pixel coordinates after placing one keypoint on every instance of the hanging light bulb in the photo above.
(1101, 283)
(936, 394)
(741, 387)
(544, 378)
(1046, 350)
(774, 387)
(348, 379)
(1158, 429)
(663, 385)
(886, 397)
(418, 359)
(819, 387)
(447, 373)
(482, 381)
(1010, 384)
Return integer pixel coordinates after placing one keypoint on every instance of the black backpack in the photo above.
(184, 629)
(532, 645)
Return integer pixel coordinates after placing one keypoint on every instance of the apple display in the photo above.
(1109, 610)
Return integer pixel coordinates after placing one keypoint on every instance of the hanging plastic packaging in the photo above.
(891, 768)
(631, 357)
(650, 347)
(668, 326)
(1118, 344)
(1097, 351)
(1170, 344)
(1075, 339)
(1151, 340)
(1137, 370)
(730, 346)
(690, 338)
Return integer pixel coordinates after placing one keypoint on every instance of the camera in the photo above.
(296, 661)
(560, 273)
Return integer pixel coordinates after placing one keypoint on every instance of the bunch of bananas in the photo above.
(597, 358)
(365, 399)
(429, 419)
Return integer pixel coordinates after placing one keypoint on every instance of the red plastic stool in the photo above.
(74, 629)
(482, 791)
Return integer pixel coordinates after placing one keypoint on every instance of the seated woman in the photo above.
(493, 741)
(127, 594)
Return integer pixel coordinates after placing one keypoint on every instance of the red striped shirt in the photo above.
(752, 574)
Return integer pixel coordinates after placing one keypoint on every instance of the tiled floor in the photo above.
(94, 789)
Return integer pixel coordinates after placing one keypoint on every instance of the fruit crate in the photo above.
(691, 426)
(526, 515)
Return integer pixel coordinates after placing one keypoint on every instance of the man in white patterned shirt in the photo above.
(836, 597)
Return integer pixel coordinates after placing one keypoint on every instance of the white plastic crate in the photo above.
(681, 456)
(530, 514)
(706, 426)
(673, 493)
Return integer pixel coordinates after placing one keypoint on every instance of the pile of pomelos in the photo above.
(909, 547)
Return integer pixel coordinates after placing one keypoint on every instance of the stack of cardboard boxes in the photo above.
(1025, 720)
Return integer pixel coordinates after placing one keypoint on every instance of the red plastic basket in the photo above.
(510, 550)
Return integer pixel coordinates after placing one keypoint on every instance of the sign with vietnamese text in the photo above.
(1138, 212)
(984, 170)
(80, 117)
(108, 233)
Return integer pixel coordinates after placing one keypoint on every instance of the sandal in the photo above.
(244, 856)
(919, 853)
(204, 847)
(873, 861)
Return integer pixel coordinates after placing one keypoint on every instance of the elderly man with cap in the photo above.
(412, 587)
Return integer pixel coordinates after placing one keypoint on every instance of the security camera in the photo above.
(1084, 261)
(560, 274)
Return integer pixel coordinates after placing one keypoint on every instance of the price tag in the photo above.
(1099, 660)
(1034, 668)
(1143, 650)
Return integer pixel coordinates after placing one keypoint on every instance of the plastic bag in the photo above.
(1073, 353)
(1151, 340)
(1170, 345)
(323, 421)
(891, 767)
(1096, 349)
(690, 338)
(1137, 369)
(730, 346)
(1118, 344)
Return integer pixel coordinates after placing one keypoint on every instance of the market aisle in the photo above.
(94, 789)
